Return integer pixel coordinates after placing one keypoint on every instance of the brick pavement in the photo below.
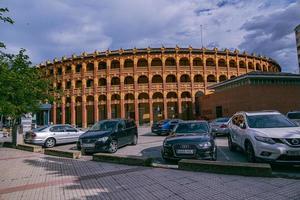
(36, 176)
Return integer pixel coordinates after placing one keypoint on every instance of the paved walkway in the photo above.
(25, 175)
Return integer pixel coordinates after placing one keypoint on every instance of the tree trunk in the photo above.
(17, 135)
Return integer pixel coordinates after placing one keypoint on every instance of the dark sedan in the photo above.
(164, 127)
(109, 135)
(190, 139)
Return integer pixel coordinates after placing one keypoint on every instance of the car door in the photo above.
(121, 134)
(73, 133)
(239, 132)
(58, 132)
(233, 128)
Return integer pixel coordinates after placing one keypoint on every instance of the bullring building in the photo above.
(147, 84)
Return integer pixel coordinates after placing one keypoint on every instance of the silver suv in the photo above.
(266, 135)
(49, 136)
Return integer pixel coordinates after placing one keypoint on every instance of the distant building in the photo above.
(252, 92)
(297, 32)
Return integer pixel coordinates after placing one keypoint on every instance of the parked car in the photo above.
(294, 116)
(265, 135)
(51, 135)
(108, 136)
(190, 139)
(164, 127)
(220, 126)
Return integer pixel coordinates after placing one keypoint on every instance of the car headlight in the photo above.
(265, 139)
(204, 145)
(103, 139)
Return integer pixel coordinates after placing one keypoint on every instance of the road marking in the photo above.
(224, 154)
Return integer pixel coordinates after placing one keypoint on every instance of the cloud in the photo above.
(273, 35)
(53, 28)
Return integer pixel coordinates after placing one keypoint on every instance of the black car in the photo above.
(108, 136)
(164, 127)
(190, 139)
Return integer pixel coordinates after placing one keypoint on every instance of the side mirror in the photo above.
(243, 126)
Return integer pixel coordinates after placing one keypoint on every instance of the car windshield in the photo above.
(187, 128)
(294, 115)
(104, 126)
(269, 121)
(225, 119)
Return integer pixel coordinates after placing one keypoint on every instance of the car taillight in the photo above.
(223, 126)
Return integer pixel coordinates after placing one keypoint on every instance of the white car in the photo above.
(266, 135)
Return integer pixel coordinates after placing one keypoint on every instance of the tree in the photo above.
(23, 87)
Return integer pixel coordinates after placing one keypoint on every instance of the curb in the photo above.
(6, 144)
(31, 148)
(233, 168)
(123, 159)
(63, 153)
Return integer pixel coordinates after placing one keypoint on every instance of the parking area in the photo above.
(150, 145)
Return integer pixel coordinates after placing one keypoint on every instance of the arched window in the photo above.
(129, 96)
(115, 97)
(198, 78)
(102, 97)
(232, 64)
(157, 95)
(102, 65)
(143, 79)
(185, 78)
(250, 65)
(265, 68)
(258, 67)
(171, 79)
(115, 81)
(211, 78)
(128, 63)
(90, 67)
(102, 82)
(171, 95)
(90, 99)
(142, 62)
(68, 85)
(78, 68)
(222, 78)
(128, 80)
(59, 71)
(210, 62)
(78, 100)
(89, 83)
(197, 62)
(58, 86)
(170, 62)
(222, 63)
(68, 69)
(78, 84)
(143, 96)
(115, 64)
(185, 95)
(156, 62)
(184, 62)
(242, 64)
(157, 79)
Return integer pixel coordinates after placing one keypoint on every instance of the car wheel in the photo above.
(135, 140)
(50, 142)
(113, 146)
(250, 152)
(231, 145)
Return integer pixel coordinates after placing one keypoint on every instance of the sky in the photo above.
(54, 28)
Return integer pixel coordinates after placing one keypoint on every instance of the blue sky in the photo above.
(54, 28)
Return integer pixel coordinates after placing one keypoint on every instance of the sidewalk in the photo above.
(25, 175)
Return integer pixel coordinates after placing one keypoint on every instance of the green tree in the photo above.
(23, 87)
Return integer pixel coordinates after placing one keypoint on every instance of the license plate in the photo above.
(293, 153)
(88, 145)
(185, 151)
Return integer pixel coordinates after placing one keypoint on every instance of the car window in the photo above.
(129, 123)
(238, 120)
(269, 121)
(104, 126)
(188, 128)
(57, 129)
(225, 119)
(70, 129)
(121, 125)
(295, 115)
